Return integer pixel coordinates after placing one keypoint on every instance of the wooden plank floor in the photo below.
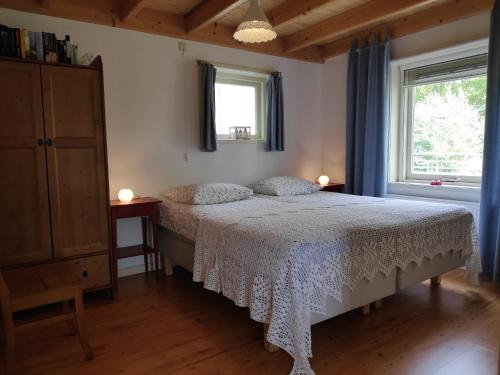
(180, 328)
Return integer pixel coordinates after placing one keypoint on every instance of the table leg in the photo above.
(144, 221)
(114, 255)
(154, 223)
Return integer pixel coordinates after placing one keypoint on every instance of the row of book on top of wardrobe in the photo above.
(34, 45)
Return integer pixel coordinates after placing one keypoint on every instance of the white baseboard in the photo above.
(134, 270)
(128, 271)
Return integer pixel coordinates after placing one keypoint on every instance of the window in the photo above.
(443, 117)
(239, 102)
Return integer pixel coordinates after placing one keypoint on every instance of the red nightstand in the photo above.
(145, 208)
(334, 187)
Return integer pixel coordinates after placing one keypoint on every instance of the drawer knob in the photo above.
(85, 274)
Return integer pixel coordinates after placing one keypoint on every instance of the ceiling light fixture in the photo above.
(255, 27)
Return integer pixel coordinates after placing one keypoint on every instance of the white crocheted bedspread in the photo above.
(283, 260)
(184, 219)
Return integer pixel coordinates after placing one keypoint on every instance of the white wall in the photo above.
(152, 114)
(334, 88)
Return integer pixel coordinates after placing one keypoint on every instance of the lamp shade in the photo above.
(323, 180)
(255, 27)
(125, 195)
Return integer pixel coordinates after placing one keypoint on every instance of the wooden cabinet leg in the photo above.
(82, 331)
(267, 345)
(436, 280)
(154, 223)
(144, 221)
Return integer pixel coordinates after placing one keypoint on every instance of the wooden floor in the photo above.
(180, 328)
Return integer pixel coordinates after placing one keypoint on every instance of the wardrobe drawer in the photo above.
(93, 270)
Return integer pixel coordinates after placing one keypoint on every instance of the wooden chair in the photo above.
(33, 287)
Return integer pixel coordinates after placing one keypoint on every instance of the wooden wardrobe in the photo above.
(53, 168)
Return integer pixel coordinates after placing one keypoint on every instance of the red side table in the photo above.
(334, 187)
(139, 207)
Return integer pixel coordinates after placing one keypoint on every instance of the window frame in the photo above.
(401, 141)
(252, 79)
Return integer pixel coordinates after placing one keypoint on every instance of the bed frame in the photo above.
(179, 251)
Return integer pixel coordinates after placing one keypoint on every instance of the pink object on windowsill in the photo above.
(436, 182)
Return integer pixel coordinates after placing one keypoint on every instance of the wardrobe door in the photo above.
(76, 161)
(25, 221)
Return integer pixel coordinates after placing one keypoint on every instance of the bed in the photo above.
(296, 261)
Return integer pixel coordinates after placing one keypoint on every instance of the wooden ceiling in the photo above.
(311, 30)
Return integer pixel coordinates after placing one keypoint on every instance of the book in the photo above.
(45, 42)
(32, 37)
(27, 47)
(16, 43)
(4, 41)
(12, 42)
(74, 56)
(49, 48)
(53, 49)
(22, 43)
(61, 51)
(68, 49)
(11, 46)
(39, 45)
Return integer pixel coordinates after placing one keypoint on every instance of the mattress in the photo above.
(183, 219)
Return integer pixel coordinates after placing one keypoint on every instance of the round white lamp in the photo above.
(323, 180)
(125, 195)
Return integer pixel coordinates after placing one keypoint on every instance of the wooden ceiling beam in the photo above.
(108, 12)
(207, 12)
(369, 14)
(291, 9)
(131, 8)
(450, 11)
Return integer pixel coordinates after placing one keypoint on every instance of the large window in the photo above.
(443, 120)
(239, 104)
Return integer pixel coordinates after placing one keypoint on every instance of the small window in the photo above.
(239, 104)
(443, 120)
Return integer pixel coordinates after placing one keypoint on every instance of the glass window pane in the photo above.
(448, 127)
(234, 106)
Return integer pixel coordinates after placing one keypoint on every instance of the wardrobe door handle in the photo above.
(49, 142)
(40, 142)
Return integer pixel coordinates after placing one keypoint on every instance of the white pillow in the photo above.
(284, 186)
(208, 193)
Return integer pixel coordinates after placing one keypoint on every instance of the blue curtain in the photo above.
(207, 107)
(490, 184)
(367, 129)
(275, 140)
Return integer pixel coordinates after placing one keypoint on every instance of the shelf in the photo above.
(132, 251)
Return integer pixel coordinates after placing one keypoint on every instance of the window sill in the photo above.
(239, 141)
(469, 193)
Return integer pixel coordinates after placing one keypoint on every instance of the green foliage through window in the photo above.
(448, 127)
